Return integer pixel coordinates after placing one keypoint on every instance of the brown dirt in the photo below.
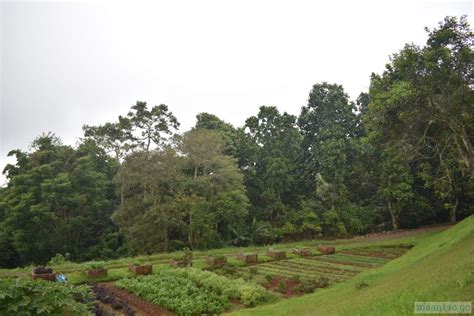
(139, 305)
(290, 285)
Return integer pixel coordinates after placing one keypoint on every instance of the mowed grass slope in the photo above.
(439, 268)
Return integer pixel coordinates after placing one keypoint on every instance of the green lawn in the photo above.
(439, 268)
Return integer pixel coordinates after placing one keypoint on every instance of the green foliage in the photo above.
(26, 297)
(248, 293)
(309, 285)
(58, 200)
(177, 293)
(58, 259)
(188, 256)
(94, 265)
(425, 98)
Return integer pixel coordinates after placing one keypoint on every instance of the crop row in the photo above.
(358, 258)
(309, 267)
(286, 270)
(305, 275)
(312, 261)
(379, 252)
(175, 293)
(247, 293)
(344, 261)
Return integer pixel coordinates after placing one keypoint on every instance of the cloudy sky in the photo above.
(65, 64)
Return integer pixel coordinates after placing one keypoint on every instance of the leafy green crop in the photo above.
(94, 265)
(247, 293)
(176, 293)
(27, 297)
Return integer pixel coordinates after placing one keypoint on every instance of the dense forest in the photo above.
(399, 156)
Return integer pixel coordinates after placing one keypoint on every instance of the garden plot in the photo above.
(308, 269)
(336, 268)
(191, 291)
(379, 252)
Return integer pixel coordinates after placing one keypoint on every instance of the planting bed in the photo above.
(118, 300)
(379, 252)
(191, 291)
(337, 267)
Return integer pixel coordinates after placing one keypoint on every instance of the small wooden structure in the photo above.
(327, 250)
(96, 272)
(217, 261)
(145, 269)
(248, 258)
(44, 276)
(178, 263)
(277, 255)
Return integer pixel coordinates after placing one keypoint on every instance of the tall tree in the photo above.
(270, 153)
(58, 200)
(328, 124)
(151, 126)
(423, 107)
(215, 193)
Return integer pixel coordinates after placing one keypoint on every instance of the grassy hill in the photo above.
(439, 268)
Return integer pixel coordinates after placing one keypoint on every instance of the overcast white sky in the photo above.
(65, 64)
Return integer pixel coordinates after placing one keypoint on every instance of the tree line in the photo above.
(399, 156)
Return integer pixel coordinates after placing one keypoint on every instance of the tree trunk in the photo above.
(453, 211)
(395, 216)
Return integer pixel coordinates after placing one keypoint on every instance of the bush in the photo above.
(58, 259)
(27, 297)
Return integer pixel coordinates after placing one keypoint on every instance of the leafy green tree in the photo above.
(328, 124)
(269, 154)
(114, 138)
(151, 186)
(58, 200)
(151, 126)
(214, 192)
(421, 108)
(395, 185)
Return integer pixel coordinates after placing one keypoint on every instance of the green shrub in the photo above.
(58, 259)
(27, 297)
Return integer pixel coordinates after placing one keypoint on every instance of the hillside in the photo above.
(439, 268)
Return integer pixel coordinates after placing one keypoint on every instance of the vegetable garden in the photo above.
(206, 288)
